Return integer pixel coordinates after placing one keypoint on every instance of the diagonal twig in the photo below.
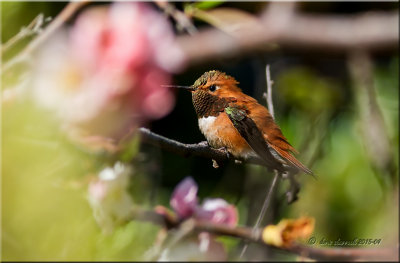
(247, 233)
(182, 20)
(271, 190)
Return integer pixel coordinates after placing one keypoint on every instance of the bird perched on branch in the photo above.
(236, 122)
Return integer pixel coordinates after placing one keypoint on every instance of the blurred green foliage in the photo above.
(45, 213)
(307, 92)
(347, 199)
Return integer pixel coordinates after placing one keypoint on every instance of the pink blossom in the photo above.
(105, 75)
(109, 197)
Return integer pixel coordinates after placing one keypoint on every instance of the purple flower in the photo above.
(198, 246)
(185, 203)
(184, 198)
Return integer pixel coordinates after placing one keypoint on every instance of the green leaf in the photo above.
(204, 5)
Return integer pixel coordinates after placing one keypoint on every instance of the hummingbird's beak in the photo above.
(189, 88)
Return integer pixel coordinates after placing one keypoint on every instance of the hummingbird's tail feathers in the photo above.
(292, 160)
(280, 140)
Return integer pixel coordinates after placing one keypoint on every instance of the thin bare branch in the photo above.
(264, 208)
(268, 95)
(268, 197)
(372, 31)
(186, 150)
(276, 173)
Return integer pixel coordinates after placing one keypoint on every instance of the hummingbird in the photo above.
(236, 122)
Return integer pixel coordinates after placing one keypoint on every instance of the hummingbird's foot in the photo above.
(224, 149)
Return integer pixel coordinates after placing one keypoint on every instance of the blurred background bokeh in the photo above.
(320, 106)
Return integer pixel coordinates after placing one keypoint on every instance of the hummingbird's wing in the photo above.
(250, 132)
(273, 134)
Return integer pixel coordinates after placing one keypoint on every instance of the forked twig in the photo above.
(60, 19)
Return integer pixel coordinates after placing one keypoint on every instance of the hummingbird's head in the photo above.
(212, 93)
(216, 83)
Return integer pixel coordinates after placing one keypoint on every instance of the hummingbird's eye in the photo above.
(212, 88)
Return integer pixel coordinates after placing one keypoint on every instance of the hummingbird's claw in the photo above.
(224, 149)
